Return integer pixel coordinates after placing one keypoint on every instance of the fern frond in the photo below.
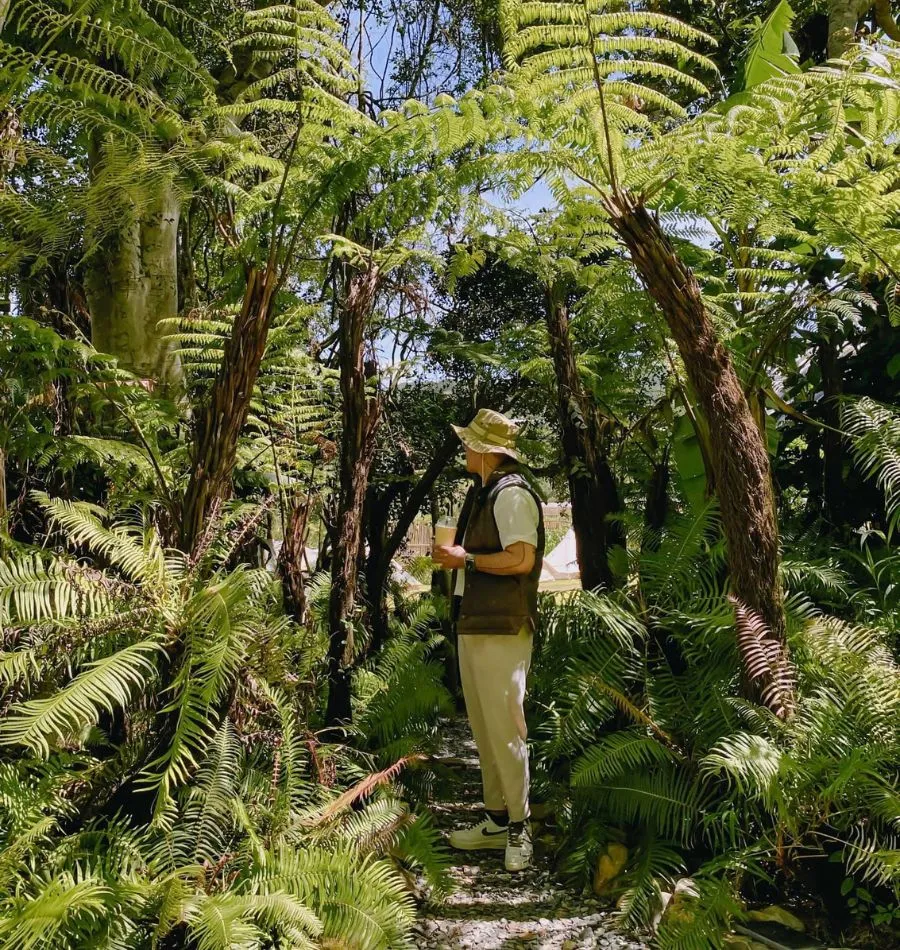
(765, 660)
(32, 590)
(874, 434)
(618, 754)
(108, 684)
(753, 764)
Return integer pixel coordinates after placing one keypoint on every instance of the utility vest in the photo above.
(493, 603)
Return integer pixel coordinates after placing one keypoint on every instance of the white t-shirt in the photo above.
(516, 515)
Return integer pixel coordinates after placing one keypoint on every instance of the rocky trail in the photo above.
(491, 909)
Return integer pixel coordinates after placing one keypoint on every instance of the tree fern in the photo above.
(603, 65)
(873, 431)
(654, 864)
(118, 73)
(666, 799)
(407, 696)
(766, 663)
(219, 631)
(64, 904)
(225, 813)
(752, 763)
(138, 555)
(368, 907)
(700, 914)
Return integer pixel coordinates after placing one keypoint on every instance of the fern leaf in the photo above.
(105, 684)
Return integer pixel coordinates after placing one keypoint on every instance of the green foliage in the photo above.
(676, 762)
(162, 778)
(874, 434)
(245, 841)
(405, 695)
(769, 52)
(594, 78)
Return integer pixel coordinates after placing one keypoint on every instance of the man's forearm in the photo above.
(516, 559)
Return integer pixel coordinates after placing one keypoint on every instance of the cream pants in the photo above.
(492, 670)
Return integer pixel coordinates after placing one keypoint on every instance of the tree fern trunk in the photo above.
(656, 506)
(376, 512)
(740, 458)
(290, 560)
(223, 417)
(592, 487)
(360, 416)
(214, 451)
(131, 285)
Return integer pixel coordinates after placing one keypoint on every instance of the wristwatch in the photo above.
(470, 564)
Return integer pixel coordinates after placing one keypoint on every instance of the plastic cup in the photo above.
(444, 533)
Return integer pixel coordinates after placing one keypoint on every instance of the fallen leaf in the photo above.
(778, 915)
(609, 866)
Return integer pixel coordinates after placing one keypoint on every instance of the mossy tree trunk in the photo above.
(843, 21)
(131, 284)
(592, 486)
(740, 457)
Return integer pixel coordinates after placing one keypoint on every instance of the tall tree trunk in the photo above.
(657, 503)
(843, 21)
(359, 417)
(592, 487)
(740, 458)
(380, 500)
(131, 285)
(223, 417)
(375, 521)
(843, 16)
(187, 277)
(291, 557)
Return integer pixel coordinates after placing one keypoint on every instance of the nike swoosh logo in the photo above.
(490, 834)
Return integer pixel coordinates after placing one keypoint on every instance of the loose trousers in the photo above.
(492, 669)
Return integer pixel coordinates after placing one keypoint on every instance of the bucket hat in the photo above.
(490, 431)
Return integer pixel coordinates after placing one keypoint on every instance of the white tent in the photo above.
(562, 563)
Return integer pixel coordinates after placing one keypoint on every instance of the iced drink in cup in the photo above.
(444, 533)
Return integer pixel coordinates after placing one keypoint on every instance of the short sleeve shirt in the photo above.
(516, 515)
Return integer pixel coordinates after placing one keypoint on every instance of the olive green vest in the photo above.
(492, 603)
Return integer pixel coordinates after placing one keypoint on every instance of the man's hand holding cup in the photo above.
(446, 553)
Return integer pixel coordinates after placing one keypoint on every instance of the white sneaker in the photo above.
(485, 835)
(518, 847)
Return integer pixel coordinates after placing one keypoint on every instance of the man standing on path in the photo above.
(497, 558)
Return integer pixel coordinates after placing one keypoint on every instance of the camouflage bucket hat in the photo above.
(490, 431)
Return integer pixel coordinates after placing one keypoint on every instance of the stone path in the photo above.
(491, 909)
